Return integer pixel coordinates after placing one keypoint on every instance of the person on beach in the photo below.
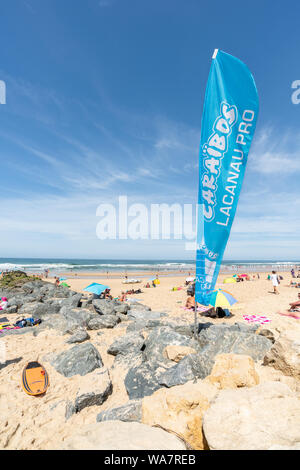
(294, 310)
(3, 303)
(190, 301)
(275, 282)
(122, 297)
(56, 281)
(293, 272)
(107, 294)
(295, 305)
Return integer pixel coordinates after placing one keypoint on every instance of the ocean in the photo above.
(38, 265)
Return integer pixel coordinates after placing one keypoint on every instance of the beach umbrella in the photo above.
(221, 298)
(96, 288)
(64, 284)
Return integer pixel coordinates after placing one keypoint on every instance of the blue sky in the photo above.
(104, 98)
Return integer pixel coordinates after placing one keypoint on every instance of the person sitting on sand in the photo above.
(3, 303)
(295, 306)
(190, 301)
(56, 281)
(107, 294)
(122, 297)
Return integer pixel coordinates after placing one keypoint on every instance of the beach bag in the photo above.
(21, 323)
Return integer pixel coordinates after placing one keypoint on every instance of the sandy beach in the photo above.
(254, 296)
(39, 422)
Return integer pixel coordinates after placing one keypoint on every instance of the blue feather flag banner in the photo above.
(228, 125)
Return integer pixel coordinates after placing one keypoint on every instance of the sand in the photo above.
(39, 422)
(254, 297)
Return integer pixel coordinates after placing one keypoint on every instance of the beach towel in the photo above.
(261, 319)
(291, 314)
(4, 327)
(199, 309)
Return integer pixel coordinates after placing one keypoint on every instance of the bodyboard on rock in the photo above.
(35, 379)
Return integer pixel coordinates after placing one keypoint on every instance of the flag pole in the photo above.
(195, 321)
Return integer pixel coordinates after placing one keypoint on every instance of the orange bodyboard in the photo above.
(35, 379)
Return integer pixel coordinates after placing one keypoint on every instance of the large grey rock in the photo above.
(38, 309)
(139, 306)
(131, 411)
(79, 316)
(255, 418)
(16, 301)
(125, 344)
(285, 354)
(47, 290)
(139, 325)
(52, 321)
(119, 435)
(72, 302)
(32, 298)
(31, 285)
(78, 337)
(129, 360)
(103, 306)
(144, 315)
(104, 321)
(235, 339)
(191, 367)
(12, 309)
(122, 308)
(182, 329)
(86, 302)
(122, 317)
(94, 390)
(53, 301)
(141, 381)
(81, 359)
(156, 342)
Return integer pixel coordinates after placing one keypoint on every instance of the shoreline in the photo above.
(175, 273)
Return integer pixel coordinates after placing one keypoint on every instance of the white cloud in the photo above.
(275, 152)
